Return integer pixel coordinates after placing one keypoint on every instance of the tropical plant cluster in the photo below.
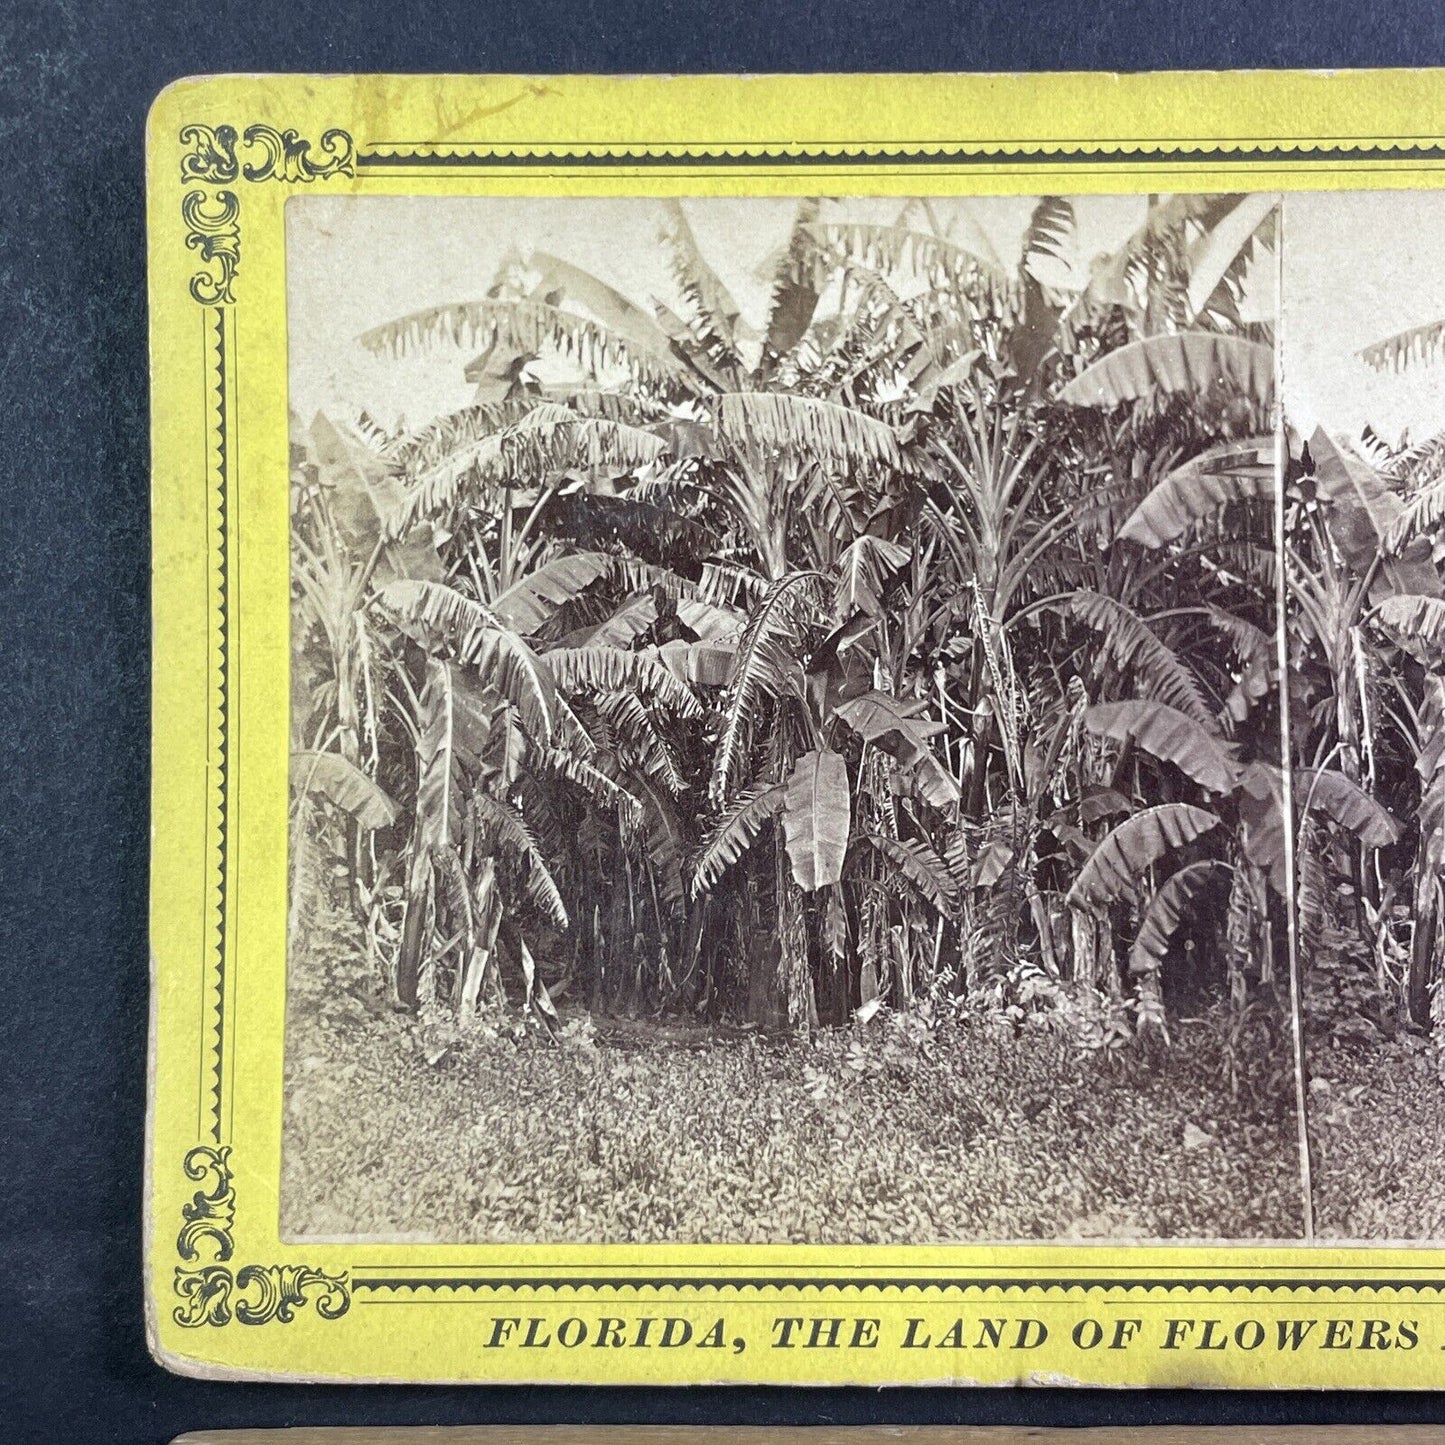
(1365, 531)
(920, 643)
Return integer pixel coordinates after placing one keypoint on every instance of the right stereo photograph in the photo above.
(1362, 360)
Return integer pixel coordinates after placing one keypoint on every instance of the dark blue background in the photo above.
(75, 82)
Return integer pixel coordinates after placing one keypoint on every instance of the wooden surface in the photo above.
(833, 1435)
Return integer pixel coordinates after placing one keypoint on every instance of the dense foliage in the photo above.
(918, 644)
(1366, 633)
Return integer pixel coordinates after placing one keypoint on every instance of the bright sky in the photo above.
(1358, 267)
(354, 263)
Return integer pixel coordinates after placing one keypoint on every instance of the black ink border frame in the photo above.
(210, 1290)
(407, 156)
(286, 158)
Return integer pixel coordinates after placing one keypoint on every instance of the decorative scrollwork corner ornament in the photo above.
(255, 1294)
(206, 1294)
(213, 1295)
(211, 1214)
(211, 157)
(212, 154)
(287, 157)
(213, 229)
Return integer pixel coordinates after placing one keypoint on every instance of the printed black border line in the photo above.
(211, 1291)
(382, 156)
(891, 1268)
(206, 820)
(234, 697)
(277, 1299)
(942, 1284)
(213, 156)
(918, 143)
(218, 972)
(214, 984)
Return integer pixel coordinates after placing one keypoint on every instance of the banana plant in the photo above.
(1366, 602)
(737, 613)
(1211, 732)
(327, 780)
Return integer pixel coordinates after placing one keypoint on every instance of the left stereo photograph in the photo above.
(766, 734)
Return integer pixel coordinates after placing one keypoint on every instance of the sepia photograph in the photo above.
(788, 734)
(1363, 362)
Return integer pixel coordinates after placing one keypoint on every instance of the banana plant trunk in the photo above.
(300, 866)
(413, 930)
(795, 975)
(1425, 946)
(979, 701)
(780, 980)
